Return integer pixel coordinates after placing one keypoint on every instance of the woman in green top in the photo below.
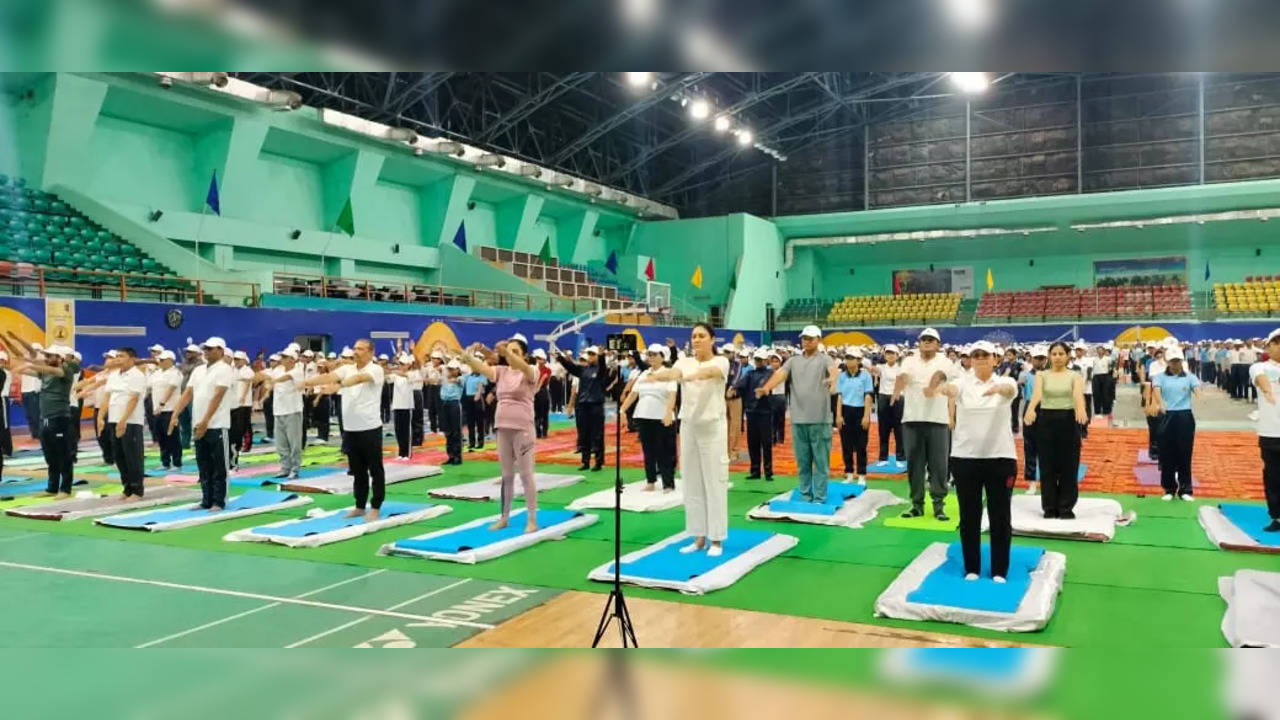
(1059, 395)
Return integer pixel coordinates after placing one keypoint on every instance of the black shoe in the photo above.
(1050, 516)
(1066, 515)
(914, 513)
(768, 478)
(940, 516)
(597, 467)
(753, 476)
(1273, 527)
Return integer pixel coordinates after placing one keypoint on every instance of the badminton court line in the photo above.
(357, 621)
(241, 594)
(258, 609)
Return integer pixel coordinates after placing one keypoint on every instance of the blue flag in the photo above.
(612, 262)
(211, 199)
(460, 237)
(1206, 269)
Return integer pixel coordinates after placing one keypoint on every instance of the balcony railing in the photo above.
(23, 279)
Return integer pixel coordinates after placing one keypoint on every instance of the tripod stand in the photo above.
(616, 605)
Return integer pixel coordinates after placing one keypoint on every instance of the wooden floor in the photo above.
(570, 620)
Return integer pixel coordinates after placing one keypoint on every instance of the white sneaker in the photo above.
(862, 479)
(1033, 488)
(971, 577)
(1167, 497)
(715, 551)
(690, 548)
(1188, 498)
(848, 477)
(999, 579)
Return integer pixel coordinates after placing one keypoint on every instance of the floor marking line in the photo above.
(241, 594)
(23, 536)
(260, 608)
(357, 621)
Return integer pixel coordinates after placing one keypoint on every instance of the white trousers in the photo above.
(704, 471)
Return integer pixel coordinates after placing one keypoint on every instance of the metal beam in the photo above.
(532, 103)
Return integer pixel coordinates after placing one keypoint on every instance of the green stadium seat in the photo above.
(148, 264)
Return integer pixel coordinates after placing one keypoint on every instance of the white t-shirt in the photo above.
(982, 421)
(651, 397)
(401, 392)
(362, 403)
(123, 386)
(288, 395)
(30, 384)
(204, 383)
(416, 379)
(702, 400)
(1157, 368)
(917, 407)
(888, 376)
(100, 395)
(244, 387)
(1085, 367)
(1268, 414)
(160, 382)
(1102, 365)
(75, 401)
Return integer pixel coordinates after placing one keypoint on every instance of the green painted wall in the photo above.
(679, 246)
(137, 163)
(760, 278)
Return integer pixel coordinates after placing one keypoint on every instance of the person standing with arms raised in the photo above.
(926, 419)
(55, 373)
(362, 384)
(813, 381)
(593, 380)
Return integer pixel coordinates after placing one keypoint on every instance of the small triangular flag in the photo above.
(545, 255)
(1206, 269)
(346, 222)
(460, 237)
(211, 199)
(612, 263)
(991, 282)
(697, 277)
(648, 270)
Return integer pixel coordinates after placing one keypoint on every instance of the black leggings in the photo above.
(853, 440)
(1058, 446)
(474, 412)
(58, 444)
(170, 443)
(1177, 441)
(996, 477)
(659, 444)
(404, 430)
(364, 455)
(889, 420)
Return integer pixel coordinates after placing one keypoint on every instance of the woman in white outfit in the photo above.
(704, 429)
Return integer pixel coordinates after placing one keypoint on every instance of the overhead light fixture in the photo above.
(722, 123)
(448, 147)
(491, 159)
(639, 79)
(745, 137)
(699, 109)
(402, 134)
(970, 82)
(532, 171)
(969, 14)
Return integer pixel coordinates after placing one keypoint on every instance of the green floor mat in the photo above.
(928, 521)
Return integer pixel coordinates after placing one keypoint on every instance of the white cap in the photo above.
(891, 348)
(156, 348)
(656, 349)
(521, 338)
(4, 355)
(37, 346)
(963, 350)
(1080, 345)
(811, 331)
(760, 354)
(77, 356)
(295, 347)
(983, 346)
(744, 352)
(404, 358)
(110, 354)
(58, 350)
(728, 348)
(592, 350)
(167, 355)
(215, 342)
(1173, 353)
(1273, 335)
(274, 357)
(852, 352)
(1039, 351)
(289, 352)
(383, 356)
(929, 332)
(538, 353)
(308, 353)
(192, 348)
(240, 355)
(437, 355)
(333, 355)
(453, 365)
(348, 352)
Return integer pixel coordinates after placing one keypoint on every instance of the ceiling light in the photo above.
(722, 123)
(638, 79)
(745, 137)
(699, 109)
(969, 14)
(970, 82)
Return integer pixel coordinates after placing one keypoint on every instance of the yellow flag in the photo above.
(697, 277)
(990, 281)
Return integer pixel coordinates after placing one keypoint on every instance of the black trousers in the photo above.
(1177, 442)
(1059, 450)
(490, 415)
(556, 386)
(1014, 417)
(1239, 380)
(995, 476)
(419, 405)
(1104, 387)
(541, 413)
(170, 443)
(76, 412)
(58, 444)
(474, 417)
(212, 453)
(239, 435)
(386, 404)
(320, 416)
(128, 455)
(6, 443)
(889, 420)
(433, 407)
(1153, 437)
(184, 424)
(1270, 447)
(403, 420)
(779, 405)
(1030, 452)
(104, 439)
(269, 415)
(591, 432)
(450, 416)
(149, 414)
(853, 440)
(364, 454)
(31, 407)
(659, 444)
(760, 441)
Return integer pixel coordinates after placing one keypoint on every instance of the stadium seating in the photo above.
(1067, 303)
(39, 231)
(911, 307)
(805, 310)
(1257, 295)
(564, 281)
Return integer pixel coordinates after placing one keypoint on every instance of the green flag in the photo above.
(545, 254)
(345, 222)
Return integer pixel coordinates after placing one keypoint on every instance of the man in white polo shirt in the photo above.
(1264, 375)
(925, 421)
(209, 395)
(286, 387)
(125, 391)
(165, 383)
(362, 384)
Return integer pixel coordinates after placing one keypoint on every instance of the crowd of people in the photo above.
(951, 413)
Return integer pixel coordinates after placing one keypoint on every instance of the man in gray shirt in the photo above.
(56, 366)
(813, 378)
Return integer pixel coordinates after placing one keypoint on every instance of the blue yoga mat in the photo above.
(250, 499)
(337, 521)
(28, 486)
(989, 664)
(1251, 519)
(480, 535)
(1079, 472)
(946, 584)
(837, 494)
(887, 467)
(670, 564)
